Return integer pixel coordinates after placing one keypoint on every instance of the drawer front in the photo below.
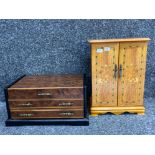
(63, 93)
(34, 114)
(47, 104)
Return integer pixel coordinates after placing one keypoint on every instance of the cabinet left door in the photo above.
(104, 63)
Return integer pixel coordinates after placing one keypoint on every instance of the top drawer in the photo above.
(61, 93)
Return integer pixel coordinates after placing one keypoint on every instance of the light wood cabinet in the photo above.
(118, 75)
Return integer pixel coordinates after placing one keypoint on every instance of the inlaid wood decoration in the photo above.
(105, 85)
(118, 75)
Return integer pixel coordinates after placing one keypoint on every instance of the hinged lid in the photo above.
(49, 81)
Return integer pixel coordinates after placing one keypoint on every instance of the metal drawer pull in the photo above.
(115, 71)
(44, 94)
(67, 113)
(66, 104)
(120, 71)
(26, 104)
(25, 115)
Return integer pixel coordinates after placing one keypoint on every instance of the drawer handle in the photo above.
(67, 113)
(66, 104)
(26, 104)
(25, 115)
(44, 94)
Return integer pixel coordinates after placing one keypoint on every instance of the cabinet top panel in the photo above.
(53, 81)
(118, 40)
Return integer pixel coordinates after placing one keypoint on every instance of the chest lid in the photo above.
(49, 81)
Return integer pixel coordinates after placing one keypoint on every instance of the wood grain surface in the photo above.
(47, 97)
(49, 81)
(29, 104)
(59, 93)
(47, 113)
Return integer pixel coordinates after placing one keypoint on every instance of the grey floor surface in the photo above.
(126, 124)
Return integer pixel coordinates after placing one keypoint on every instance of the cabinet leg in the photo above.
(94, 115)
(140, 113)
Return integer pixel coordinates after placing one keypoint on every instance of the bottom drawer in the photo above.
(47, 113)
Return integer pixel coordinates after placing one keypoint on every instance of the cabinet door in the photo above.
(132, 61)
(104, 77)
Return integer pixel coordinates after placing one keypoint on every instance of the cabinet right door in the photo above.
(132, 62)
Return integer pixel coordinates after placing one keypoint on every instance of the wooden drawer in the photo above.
(46, 104)
(47, 113)
(61, 93)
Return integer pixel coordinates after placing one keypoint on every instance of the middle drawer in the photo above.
(46, 104)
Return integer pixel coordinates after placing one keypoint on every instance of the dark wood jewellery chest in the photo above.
(45, 100)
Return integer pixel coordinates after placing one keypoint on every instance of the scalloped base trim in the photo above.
(95, 111)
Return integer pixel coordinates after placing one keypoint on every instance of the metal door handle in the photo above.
(120, 71)
(115, 71)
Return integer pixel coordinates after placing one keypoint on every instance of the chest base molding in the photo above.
(72, 122)
(140, 110)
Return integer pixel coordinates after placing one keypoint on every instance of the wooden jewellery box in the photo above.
(45, 100)
(118, 75)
